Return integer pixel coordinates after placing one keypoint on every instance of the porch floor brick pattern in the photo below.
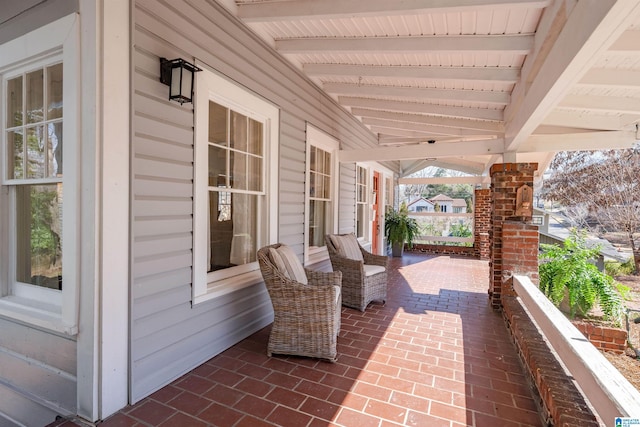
(435, 355)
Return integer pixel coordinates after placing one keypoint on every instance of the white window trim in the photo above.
(366, 238)
(325, 142)
(60, 37)
(211, 85)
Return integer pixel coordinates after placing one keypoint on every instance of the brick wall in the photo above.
(467, 251)
(482, 223)
(506, 178)
(519, 253)
(561, 403)
(603, 337)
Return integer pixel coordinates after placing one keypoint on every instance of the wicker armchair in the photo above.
(306, 316)
(363, 280)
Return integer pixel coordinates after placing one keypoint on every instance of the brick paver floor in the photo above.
(435, 355)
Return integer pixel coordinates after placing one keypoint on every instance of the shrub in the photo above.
(568, 271)
(614, 268)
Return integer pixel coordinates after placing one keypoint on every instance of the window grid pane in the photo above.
(39, 230)
(241, 139)
(35, 147)
(319, 174)
(236, 168)
(361, 200)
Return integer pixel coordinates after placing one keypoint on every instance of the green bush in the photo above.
(615, 268)
(568, 271)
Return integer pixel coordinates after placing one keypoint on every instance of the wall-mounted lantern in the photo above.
(178, 75)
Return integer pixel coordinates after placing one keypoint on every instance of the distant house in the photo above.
(439, 203)
(421, 205)
(448, 204)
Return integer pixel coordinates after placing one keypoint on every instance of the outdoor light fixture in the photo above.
(178, 75)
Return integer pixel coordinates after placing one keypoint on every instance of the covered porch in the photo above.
(436, 354)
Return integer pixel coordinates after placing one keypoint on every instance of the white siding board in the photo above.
(36, 363)
(161, 207)
(161, 187)
(162, 168)
(144, 125)
(24, 410)
(146, 102)
(165, 263)
(43, 382)
(163, 303)
(50, 349)
(158, 283)
(163, 226)
(162, 149)
(162, 244)
(347, 204)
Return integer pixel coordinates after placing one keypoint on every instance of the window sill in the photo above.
(317, 255)
(34, 313)
(227, 286)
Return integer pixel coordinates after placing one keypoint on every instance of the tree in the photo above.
(600, 190)
(457, 191)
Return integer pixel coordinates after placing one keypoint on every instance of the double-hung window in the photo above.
(235, 200)
(362, 180)
(38, 197)
(320, 189)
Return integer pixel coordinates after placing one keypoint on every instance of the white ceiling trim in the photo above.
(582, 119)
(602, 103)
(476, 74)
(426, 128)
(590, 29)
(487, 126)
(608, 77)
(484, 97)
(333, 9)
(514, 44)
(423, 151)
(416, 107)
(579, 141)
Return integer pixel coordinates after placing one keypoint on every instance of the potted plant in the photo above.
(573, 283)
(400, 229)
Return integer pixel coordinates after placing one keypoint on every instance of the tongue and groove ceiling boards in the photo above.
(487, 80)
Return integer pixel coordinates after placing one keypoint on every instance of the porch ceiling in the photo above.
(487, 80)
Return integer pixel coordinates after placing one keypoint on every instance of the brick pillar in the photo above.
(506, 178)
(482, 223)
(519, 253)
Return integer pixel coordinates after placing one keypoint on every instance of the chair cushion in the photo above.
(347, 246)
(288, 263)
(370, 270)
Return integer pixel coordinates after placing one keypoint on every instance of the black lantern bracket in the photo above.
(180, 90)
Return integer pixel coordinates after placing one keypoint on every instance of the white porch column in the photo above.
(103, 339)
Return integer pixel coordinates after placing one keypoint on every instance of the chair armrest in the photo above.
(371, 259)
(322, 278)
(341, 263)
(295, 299)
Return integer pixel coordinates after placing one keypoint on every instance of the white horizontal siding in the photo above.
(347, 203)
(40, 368)
(169, 335)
